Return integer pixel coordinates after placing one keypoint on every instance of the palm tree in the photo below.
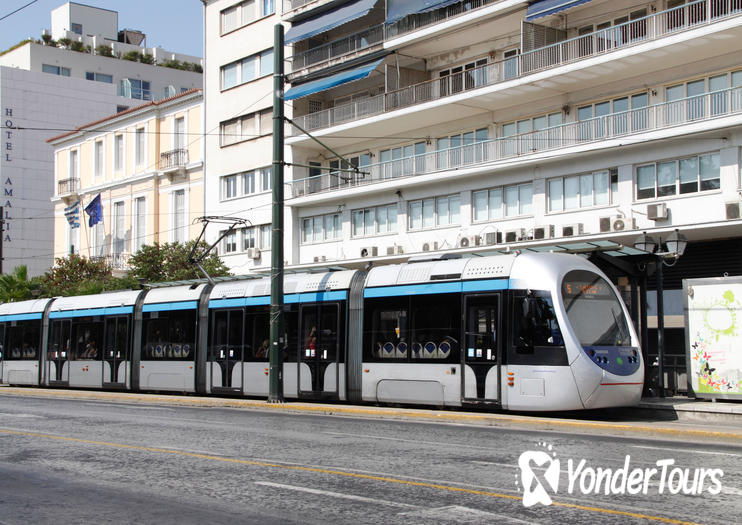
(15, 286)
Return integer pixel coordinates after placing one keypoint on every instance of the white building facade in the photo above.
(486, 126)
(47, 88)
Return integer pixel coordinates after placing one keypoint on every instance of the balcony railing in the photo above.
(116, 261)
(704, 107)
(338, 48)
(67, 186)
(605, 41)
(176, 158)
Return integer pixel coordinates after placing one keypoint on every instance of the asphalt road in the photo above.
(82, 461)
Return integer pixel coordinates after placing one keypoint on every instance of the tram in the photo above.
(530, 331)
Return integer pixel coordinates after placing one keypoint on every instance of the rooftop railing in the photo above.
(704, 107)
(601, 42)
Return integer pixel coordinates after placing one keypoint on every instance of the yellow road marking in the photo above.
(432, 415)
(340, 473)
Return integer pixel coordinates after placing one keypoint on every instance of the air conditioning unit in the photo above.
(394, 250)
(617, 224)
(572, 230)
(463, 242)
(734, 210)
(430, 246)
(253, 253)
(543, 232)
(475, 240)
(320, 258)
(657, 212)
(515, 235)
(370, 251)
(491, 238)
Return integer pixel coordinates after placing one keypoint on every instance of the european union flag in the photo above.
(95, 211)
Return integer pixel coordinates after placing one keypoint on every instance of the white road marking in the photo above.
(337, 495)
(408, 441)
(25, 416)
(686, 451)
(462, 515)
(731, 490)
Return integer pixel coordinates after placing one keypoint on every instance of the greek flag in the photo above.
(72, 212)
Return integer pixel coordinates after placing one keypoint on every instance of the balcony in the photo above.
(174, 161)
(365, 41)
(116, 261)
(576, 50)
(68, 188)
(701, 108)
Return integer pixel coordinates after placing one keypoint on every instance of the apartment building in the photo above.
(145, 164)
(487, 126)
(81, 70)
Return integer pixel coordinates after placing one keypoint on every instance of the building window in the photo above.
(118, 152)
(98, 160)
(140, 212)
(265, 237)
(179, 216)
(265, 179)
(320, 228)
(248, 238)
(371, 221)
(230, 187)
(119, 228)
(497, 203)
(76, 28)
(613, 117)
(74, 164)
(230, 242)
(99, 239)
(230, 19)
(99, 77)
(247, 69)
(428, 213)
(242, 14)
(55, 70)
(139, 147)
(246, 127)
(135, 88)
(249, 182)
(580, 191)
(268, 8)
(179, 133)
(533, 133)
(675, 177)
(461, 148)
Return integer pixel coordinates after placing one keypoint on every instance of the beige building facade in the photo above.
(147, 166)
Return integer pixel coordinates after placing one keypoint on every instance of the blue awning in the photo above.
(315, 86)
(328, 20)
(549, 7)
(396, 9)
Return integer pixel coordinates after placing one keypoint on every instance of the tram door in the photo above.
(481, 353)
(2, 348)
(225, 359)
(318, 352)
(116, 351)
(57, 371)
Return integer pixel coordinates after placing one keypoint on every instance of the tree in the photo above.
(169, 262)
(16, 286)
(78, 275)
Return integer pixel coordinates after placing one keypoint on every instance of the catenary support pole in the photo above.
(277, 341)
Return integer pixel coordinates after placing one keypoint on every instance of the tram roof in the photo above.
(30, 306)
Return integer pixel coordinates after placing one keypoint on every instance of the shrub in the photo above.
(104, 50)
(131, 56)
(146, 59)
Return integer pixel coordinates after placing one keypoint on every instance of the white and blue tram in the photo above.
(532, 331)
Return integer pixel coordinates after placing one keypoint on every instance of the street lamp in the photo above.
(675, 244)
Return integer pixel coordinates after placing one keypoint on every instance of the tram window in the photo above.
(23, 340)
(435, 327)
(386, 336)
(537, 338)
(169, 336)
(594, 310)
(87, 339)
(257, 336)
(291, 329)
(227, 337)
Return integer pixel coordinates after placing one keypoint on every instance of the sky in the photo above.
(175, 25)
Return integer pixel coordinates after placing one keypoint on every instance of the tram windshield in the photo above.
(594, 310)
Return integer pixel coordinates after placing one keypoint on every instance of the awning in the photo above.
(549, 7)
(397, 9)
(328, 20)
(315, 86)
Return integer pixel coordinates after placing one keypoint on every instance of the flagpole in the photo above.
(82, 220)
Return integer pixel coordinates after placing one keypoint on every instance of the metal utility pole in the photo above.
(277, 342)
(2, 235)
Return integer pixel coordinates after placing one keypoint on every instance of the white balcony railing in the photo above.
(704, 107)
(605, 41)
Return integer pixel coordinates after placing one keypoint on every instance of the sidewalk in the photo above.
(677, 419)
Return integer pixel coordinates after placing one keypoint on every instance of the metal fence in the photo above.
(338, 48)
(652, 27)
(175, 158)
(708, 106)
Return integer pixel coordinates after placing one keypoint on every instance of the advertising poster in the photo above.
(713, 311)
